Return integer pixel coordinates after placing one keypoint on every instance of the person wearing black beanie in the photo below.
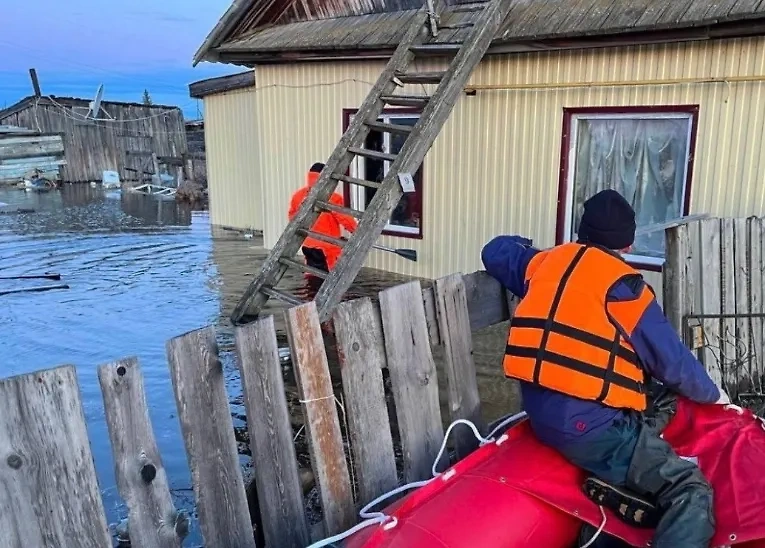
(608, 221)
(584, 342)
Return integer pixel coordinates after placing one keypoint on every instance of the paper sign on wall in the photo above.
(407, 182)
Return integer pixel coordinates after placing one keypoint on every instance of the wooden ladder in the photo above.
(419, 138)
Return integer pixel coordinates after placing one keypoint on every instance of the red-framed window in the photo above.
(406, 219)
(644, 153)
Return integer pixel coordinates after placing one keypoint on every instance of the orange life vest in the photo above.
(566, 336)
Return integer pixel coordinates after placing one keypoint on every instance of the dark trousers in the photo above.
(631, 455)
(315, 257)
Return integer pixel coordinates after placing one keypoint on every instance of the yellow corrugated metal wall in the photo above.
(495, 166)
(232, 151)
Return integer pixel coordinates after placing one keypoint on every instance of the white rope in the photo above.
(600, 529)
(736, 408)
(389, 522)
(352, 531)
(330, 397)
(505, 422)
(468, 423)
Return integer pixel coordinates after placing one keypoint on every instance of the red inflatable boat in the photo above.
(515, 492)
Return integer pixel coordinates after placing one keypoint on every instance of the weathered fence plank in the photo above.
(454, 326)
(276, 475)
(728, 342)
(756, 323)
(361, 349)
(488, 304)
(413, 378)
(141, 478)
(208, 433)
(711, 282)
(322, 426)
(678, 255)
(50, 495)
(742, 280)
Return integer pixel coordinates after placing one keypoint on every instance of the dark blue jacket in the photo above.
(558, 419)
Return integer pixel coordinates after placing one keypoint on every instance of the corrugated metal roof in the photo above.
(527, 20)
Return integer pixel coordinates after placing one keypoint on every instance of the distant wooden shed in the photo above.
(119, 134)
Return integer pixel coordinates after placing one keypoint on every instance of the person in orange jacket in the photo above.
(320, 254)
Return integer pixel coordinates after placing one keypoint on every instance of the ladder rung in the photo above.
(406, 100)
(355, 181)
(375, 155)
(390, 128)
(305, 268)
(420, 77)
(282, 296)
(467, 8)
(435, 49)
(455, 26)
(340, 209)
(321, 237)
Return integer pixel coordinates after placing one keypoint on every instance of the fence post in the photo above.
(362, 358)
(729, 354)
(454, 326)
(413, 378)
(756, 283)
(325, 440)
(280, 495)
(50, 489)
(208, 432)
(141, 478)
(676, 278)
(711, 298)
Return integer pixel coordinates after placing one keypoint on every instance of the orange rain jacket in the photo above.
(566, 336)
(328, 223)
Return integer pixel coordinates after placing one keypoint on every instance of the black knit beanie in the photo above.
(317, 167)
(608, 220)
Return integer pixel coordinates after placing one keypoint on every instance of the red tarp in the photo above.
(522, 493)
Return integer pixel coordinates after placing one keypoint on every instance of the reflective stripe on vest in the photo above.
(564, 336)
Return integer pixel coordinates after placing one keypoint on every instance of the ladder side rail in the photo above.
(410, 157)
(290, 241)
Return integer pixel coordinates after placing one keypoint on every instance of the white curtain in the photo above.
(642, 159)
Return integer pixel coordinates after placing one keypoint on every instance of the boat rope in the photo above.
(740, 410)
(389, 522)
(599, 531)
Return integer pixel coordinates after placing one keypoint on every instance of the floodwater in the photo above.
(140, 271)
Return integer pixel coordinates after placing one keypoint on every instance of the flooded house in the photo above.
(662, 101)
(121, 137)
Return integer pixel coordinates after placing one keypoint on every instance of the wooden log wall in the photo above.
(713, 295)
(94, 146)
(53, 497)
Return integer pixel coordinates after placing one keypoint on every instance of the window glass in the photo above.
(406, 217)
(644, 158)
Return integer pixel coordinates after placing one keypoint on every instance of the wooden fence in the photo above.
(713, 295)
(51, 497)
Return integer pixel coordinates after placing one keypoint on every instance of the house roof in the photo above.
(220, 84)
(246, 34)
(27, 102)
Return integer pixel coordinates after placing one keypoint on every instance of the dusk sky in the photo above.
(127, 45)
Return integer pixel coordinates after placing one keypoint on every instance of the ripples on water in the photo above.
(141, 271)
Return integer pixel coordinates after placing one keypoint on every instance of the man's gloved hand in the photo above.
(724, 399)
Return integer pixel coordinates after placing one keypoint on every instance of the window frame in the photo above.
(390, 229)
(565, 204)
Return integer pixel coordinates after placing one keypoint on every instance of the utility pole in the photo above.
(35, 82)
